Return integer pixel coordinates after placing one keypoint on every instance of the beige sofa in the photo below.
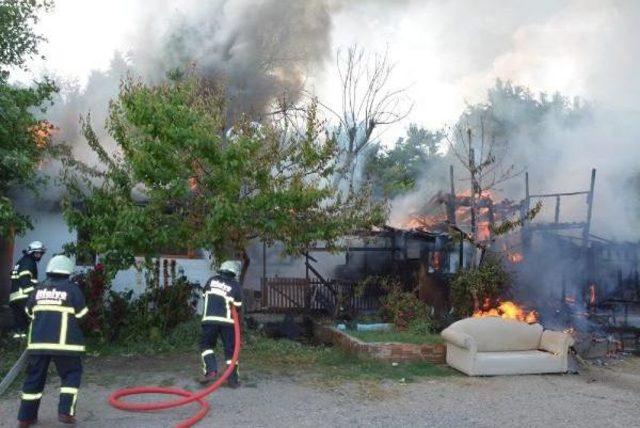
(495, 346)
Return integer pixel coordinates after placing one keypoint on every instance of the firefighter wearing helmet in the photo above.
(24, 279)
(55, 309)
(220, 292)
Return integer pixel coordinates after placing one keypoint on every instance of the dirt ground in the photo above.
(601, 396)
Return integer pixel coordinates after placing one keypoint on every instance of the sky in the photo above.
(446, 53)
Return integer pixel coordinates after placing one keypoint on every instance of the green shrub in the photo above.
(472, 287)
(117, 316)
(402, 308)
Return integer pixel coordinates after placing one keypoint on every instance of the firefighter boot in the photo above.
(66, 419)
(207, 378)
(233, 381)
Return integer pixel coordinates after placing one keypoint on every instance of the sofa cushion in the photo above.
(517, 362)
(499, 334)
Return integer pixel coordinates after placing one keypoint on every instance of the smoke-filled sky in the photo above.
(447, 53)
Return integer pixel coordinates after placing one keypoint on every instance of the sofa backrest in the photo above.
(499, 334)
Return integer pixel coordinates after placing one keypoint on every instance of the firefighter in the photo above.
(55, 308)
(24, 278)
(220, 292)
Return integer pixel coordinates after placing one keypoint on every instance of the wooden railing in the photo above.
(303, 295)
(285, 294)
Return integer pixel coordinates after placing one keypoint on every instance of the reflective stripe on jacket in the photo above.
(56, 306)
(220, 292)
(24, 278)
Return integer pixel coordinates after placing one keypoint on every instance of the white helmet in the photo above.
(231, 266)
(36, 247)
(61, 265)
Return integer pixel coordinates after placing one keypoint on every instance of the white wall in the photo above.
(51, 229)
(196, 270)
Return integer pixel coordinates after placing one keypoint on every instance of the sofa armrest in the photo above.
(556, 342)
(460, 339)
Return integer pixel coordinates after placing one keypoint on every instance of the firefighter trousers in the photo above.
(70, 371)
(20, 318)
(208, 340)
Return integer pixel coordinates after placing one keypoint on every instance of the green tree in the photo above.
(396, 171)
(470, 288)
(180, 177)
(24, 138)
(508, 129)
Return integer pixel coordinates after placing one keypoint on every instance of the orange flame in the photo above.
(42, 132)
(508, 310)
(484, 231)
(462, 213)
(515, 258)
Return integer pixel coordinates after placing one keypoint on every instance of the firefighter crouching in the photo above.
(220, 292)
(24, 279)
(55, 308)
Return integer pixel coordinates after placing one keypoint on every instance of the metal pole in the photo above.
(472, 171)
(452, 198)
(526, 190)
(587, 227)
(461, 256)
(264, 260)
(526, 234)
(14, 372)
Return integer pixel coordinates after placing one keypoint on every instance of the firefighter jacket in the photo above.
(24, 278)
(220, 292)
(56, 307)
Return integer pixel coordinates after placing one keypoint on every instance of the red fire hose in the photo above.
(189, 397)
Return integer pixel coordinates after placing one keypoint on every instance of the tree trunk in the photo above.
(6, 263)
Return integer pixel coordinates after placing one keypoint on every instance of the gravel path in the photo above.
(612, 400)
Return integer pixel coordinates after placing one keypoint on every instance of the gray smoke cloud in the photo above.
(580, 48)
(260, 51)
(266, 49)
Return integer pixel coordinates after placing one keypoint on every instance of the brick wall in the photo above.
(389, 352)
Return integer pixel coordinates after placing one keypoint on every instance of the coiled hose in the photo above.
(189, 397)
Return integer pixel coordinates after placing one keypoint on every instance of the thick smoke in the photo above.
(260, 51)
(578, 48)
(448, 52)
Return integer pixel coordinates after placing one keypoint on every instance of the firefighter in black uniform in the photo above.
(55, 308)
(24, 279)
(220, 292)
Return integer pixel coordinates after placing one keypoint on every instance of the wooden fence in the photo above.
(302, 295)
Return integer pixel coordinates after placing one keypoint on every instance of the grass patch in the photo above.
(396, 336)
(183, 338)
(278, 355)
(259, 355)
